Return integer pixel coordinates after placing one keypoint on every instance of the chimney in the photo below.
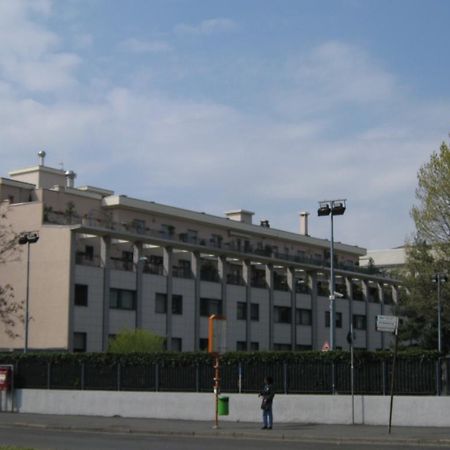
(304, 223)
(41, 155)
(240, 215)
(70, 178)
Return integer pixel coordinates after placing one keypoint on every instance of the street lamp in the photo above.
(439, 278)
(27, 238)
(332, 208)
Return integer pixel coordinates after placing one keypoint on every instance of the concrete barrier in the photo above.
(324, 409)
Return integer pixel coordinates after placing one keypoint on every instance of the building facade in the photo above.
(107, 262)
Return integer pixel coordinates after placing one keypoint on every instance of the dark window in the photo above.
(79, 342)
(241, 346)
(81, 295)
(242, 311)
(303, 317)
(203, 344)
(303, 348)
(338, 319)
(282, 314)
(359, 322)
(138, 225)
(161, 304)
(210, 306)
(122, 299)
(282, 347)
(177, 344)
(89, 252)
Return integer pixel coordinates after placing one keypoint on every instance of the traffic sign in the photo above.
(388, 324)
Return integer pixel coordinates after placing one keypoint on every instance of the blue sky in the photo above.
(218, 105)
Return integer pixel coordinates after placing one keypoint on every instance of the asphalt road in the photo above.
(74, 440)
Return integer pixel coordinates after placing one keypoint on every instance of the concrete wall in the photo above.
(370, 410)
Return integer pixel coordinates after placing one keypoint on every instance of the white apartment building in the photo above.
(107, 262)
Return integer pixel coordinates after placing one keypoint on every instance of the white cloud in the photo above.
(29, 56)
(206, 27)
(134, 45)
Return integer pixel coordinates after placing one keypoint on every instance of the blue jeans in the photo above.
(268, 417)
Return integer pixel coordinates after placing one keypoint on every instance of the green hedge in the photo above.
(190, 358)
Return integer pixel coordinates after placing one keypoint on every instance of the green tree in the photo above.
(427, 255)
(136, 341)
(11, 311)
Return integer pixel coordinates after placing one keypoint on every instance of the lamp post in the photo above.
(332, 208)
(27, 238)
(439, 278)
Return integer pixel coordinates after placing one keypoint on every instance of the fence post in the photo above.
(438, 376)
(49, 370)
(82, 376)
(119, 373)
(285, 377)
(157, 377)
(383, 370)
(197, 377)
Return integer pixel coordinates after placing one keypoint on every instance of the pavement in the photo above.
(351, 434)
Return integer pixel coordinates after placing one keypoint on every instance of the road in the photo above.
(44, 439)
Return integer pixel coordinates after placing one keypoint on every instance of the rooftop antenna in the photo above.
(41, 155)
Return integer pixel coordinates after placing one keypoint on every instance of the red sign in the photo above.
(5, 378)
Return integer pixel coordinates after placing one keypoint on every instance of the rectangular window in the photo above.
(338, 319)
(138, 225)
(242, 311)
(359, 322)
(282, 314)
(89, 252)
(282, 347)
(203, 344)
(303, 316)
(177, 344)
(122, 299)
(79, 342)
(161, 304)
(210, 306)
(81, 295)
(241, 346)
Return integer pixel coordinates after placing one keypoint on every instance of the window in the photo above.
(138, 225)
(282, 314)
(203, 344)
(79, 342)
(241, 346)
(161, 304)
(89, 252)
(209, 306)
(177, 344)
(303, 316)
(359, 322)
(338, 319)
(192, 236)
(303, 348)
(122, 299)
(282, 347)
(81, 295)
(242, 311)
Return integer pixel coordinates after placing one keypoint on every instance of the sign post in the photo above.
(389, 324)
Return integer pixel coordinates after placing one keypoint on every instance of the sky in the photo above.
(212, 105)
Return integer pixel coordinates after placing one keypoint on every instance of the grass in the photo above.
(9, 447)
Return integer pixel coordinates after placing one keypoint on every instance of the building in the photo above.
(106, 262)
(385, 260)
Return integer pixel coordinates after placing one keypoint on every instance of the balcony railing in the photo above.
(73, 219)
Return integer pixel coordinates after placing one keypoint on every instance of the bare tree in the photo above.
(11, 310)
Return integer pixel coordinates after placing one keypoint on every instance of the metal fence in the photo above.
(413, 377)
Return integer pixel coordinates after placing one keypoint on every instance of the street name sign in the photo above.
(387, 324)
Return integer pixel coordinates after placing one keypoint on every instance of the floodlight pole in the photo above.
(332, 288)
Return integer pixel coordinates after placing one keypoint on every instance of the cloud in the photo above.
(29, 55)
(134, 45)
(207, 27)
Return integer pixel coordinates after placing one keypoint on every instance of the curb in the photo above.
(384, 441)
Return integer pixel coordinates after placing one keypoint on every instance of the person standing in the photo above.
(267, 395)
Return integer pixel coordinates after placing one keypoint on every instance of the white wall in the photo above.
(369, 410)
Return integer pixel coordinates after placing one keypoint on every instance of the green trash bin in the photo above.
(223, 408)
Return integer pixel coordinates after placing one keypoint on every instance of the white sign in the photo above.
(388, 324)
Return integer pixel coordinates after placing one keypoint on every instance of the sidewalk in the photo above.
(282, 431)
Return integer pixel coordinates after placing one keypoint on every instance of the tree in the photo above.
(11, 311)
(136, 341)
(427, 255)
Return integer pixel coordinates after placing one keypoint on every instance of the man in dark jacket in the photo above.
(267, 395)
